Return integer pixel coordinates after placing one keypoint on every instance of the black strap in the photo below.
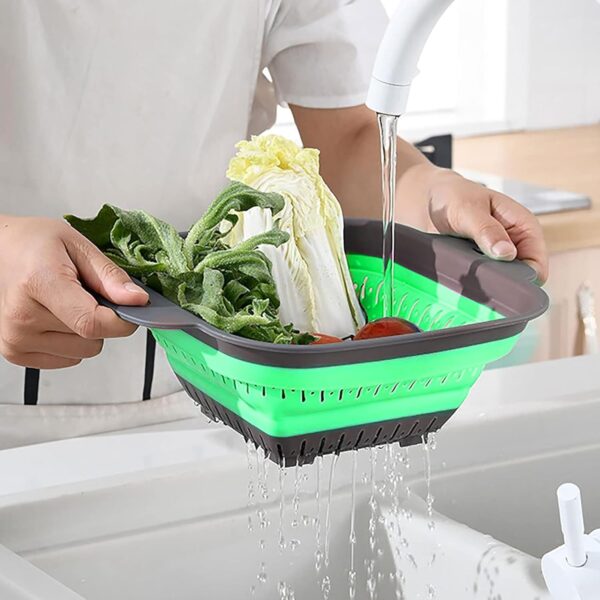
(32, 376)
(32, 386)
(149, 366)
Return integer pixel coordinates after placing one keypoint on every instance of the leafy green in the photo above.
(232, 288)
(235, 198)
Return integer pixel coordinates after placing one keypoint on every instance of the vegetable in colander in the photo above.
(231, 288)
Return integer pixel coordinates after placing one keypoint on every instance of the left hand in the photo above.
(503, 228)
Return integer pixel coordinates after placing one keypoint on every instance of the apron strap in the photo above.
(32, 376)
(32, 386)
(149, 365)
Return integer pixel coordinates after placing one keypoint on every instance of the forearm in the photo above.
(351, 166)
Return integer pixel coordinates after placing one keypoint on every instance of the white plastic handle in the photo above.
(571, 522)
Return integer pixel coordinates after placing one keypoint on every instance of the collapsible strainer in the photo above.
(297, 402)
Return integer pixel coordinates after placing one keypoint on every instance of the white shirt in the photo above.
(139, 103)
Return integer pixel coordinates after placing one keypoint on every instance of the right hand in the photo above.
(47, 319)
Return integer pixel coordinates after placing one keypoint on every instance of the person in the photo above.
(140, 104)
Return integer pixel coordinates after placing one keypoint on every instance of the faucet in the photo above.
(399, 52)
(572, 571)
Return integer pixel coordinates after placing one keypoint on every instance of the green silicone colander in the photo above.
(297, 402)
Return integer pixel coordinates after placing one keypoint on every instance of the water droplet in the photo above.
(306, 520)
(294, 544)
(326, 587)
(352, 584)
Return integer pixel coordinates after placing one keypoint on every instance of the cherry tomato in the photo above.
(385, 327)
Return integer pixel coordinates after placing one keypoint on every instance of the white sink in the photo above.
(175, 524)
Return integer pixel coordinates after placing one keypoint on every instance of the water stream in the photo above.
(352, 571)
(387, 130)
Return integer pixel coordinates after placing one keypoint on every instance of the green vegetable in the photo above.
(230, 287)
(310, 271)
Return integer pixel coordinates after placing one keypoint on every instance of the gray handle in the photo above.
(158, 313)
(515, 269)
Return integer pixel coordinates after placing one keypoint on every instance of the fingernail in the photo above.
(503, 249)
(134, 289)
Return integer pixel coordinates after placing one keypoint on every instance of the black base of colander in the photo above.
(303, 449)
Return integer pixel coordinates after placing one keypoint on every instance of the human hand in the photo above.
(502, 228)
(47, 319)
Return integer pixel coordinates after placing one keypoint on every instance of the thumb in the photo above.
(476, 222)
(102, 275)
(493, 239)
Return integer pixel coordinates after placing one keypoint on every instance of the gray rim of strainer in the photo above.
(508, 287)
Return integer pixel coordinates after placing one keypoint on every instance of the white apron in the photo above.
(139, 103)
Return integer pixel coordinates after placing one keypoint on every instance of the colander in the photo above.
(298, 402)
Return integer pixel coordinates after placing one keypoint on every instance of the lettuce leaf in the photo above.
(229, 286)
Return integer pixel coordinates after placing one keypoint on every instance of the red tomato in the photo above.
(323, 338)
(385, 327)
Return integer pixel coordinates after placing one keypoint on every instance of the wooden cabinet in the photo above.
(560, 330)
(568, 159)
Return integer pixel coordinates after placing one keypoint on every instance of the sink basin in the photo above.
(504, 482)
(171, 519)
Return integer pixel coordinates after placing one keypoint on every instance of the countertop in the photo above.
(563, 158)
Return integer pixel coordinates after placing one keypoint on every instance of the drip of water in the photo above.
(262, 574)
(282, 543)
(261, 514)
(251, 451)
(296, 500)
(318, 551)
(429, 444)
(285, 591)
(387, 130)
(326, 587)
(352, 572)
(328, 512)
(371, 580)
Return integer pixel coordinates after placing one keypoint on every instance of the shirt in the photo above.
(140, 103)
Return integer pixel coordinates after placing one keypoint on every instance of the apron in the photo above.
(139, 104)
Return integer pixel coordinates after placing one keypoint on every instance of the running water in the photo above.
(296, 500)
(371, 579)
(328, 512)
(352, 571)
(429, 444)
(282, 542)
(326, 582)
(387, 130)
(262, 463)
(318, 551)
(251, 448)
